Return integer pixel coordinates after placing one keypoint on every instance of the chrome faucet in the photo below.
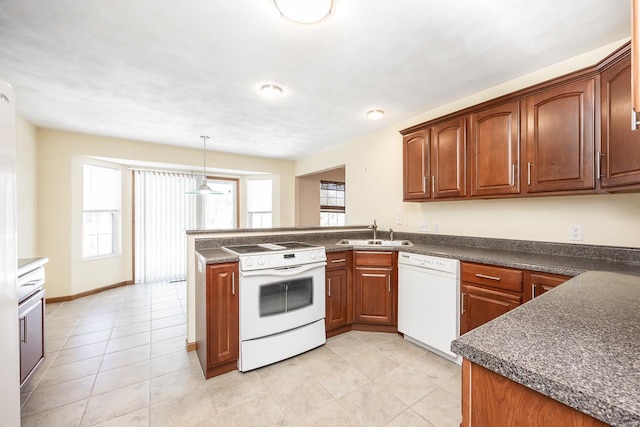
(391, 234)
(374, 227)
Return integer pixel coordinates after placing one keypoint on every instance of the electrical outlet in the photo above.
(423, 226)
(436, 227)
(399, 219)
(575, 232)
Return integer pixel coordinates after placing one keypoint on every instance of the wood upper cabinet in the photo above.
(375, 288)
(217, 317)
(620, 146)
(537, 283)
(416, 165)
(560, 138)
(494, 145)
(448, 159)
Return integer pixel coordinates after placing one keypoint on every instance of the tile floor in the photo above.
(117, 358)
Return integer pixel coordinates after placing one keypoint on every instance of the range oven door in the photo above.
(280, 299)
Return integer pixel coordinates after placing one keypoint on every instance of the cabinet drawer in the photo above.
(508, 279)
(336, 260)
(378, 259)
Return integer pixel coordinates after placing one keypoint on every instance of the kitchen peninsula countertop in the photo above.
(569, 260)
(578, 344)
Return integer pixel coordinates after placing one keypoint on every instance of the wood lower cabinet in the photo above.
(486, 292)
(620, 146)
(539, 283)
(376, 288)
(480, 305)
(489, 399)
(494, 146)
(338, 292)
(560, 135)
(217, 317)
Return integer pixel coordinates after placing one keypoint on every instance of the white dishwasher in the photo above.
(428, 302)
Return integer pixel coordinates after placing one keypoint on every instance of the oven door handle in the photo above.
(284, 271)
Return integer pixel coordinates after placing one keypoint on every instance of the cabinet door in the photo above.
(374, 296)
(539, 283)
(31, 322)
(448, 159)
(336, 299)
(479, 305)
(620, 162)
(222, 313)
(495, 150)
(416, 165)
(560, 139)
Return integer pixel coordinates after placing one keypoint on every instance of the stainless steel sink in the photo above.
(374, 242)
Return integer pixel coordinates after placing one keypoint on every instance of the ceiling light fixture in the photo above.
(304, 11)
(204, 189)
(375, 114)
(270, 90)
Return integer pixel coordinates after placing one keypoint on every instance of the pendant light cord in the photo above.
(204, 158)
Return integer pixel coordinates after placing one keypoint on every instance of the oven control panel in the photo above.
(279, 259)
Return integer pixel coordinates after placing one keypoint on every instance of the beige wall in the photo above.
(26, 185)
(308, 195)
(60, 156)
(372, 194)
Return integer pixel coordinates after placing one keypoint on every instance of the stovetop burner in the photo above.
(267, 248)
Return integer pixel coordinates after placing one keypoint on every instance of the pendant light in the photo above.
(204, 189)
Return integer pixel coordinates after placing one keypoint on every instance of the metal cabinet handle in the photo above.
(484, 276)
(389, 283)
(23, 329)
(634, 120)
(329, 293)
(339, 260)
(513, 175)
(233, 283)
(533, 290)
(433, 184)
(599, 165)
(462, 296)
(529, 166)
(424, 183)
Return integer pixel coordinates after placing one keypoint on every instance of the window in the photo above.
(220, 210)
(332, 210)
(259, 201)
(101, 211)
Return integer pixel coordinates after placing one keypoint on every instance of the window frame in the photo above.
(202, 206)
(251, 213)
(116, 217)
(340, 209)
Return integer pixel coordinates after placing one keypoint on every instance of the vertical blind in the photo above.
(163, 213)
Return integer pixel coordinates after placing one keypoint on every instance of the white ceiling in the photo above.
(169, 71)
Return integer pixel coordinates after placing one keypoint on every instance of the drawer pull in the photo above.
(338, 260)
(484, 276)
(533, 290)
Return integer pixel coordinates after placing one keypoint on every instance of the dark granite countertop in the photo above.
(569, 260)
(578, 344)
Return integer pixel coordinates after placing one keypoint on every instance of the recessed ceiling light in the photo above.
(304, 12)
(375, 114)
(270, 90)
